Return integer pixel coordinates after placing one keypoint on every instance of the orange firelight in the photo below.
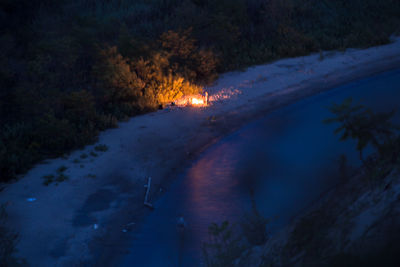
(193, 100)
(197, 101)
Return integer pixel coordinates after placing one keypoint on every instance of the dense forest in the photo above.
(70, 69)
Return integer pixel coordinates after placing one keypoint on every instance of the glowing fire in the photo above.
(205, 100)
(193, 100)
(197, 101)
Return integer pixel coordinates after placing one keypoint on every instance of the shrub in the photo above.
(224, 246)
(254, 227)
(186, 59)
(79, 108)
(130, 86)
(101, 148)
(74, 69)
(8, 241)
(366, 127)
(18, 150)
(116, 83)
(62, 169)
(107, 121)
(48, 179)
(54, 136)
(61, 177)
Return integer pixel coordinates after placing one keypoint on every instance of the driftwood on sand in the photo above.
(146, 197)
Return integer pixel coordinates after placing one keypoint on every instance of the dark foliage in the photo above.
(8, 241)
(224, 246)
(367, 128)
(69, 69)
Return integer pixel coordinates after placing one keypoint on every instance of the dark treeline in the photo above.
(70, 69)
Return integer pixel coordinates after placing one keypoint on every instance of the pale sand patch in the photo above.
(58, 228)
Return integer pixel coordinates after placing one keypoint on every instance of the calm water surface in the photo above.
(294, 155)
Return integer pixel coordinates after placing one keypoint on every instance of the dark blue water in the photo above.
(291, 152)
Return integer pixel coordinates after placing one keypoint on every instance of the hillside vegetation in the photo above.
(70, 69)
(354, 223)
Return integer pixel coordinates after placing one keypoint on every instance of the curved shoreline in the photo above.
(159, 145)
(233, 120)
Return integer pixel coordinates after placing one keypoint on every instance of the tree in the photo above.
(364, 125)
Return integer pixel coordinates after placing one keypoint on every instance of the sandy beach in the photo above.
(88, 219)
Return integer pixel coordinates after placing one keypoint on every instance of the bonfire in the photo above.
(193, 100)
(205, 100)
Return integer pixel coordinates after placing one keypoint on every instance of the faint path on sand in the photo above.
(58, 228)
